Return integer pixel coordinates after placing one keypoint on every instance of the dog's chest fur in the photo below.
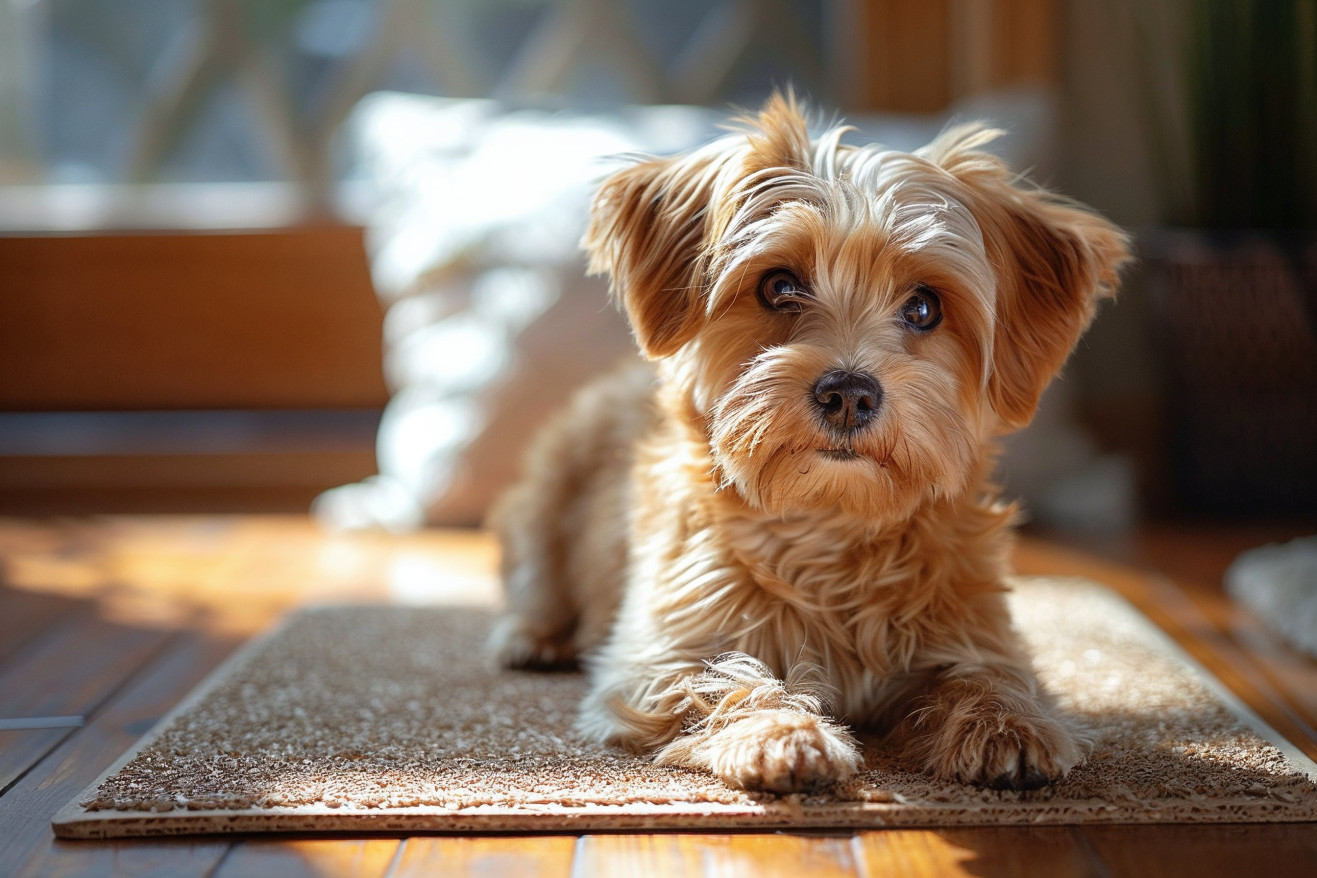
(875, 608)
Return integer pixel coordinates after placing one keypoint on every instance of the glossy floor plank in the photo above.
(781, 854)
(27, 615)
(670, 856)
(1280, 851)
(548, 856)
(310, 858)
(1045, 852)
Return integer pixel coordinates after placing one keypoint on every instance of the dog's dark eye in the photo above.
(781, 291)
(923, 310)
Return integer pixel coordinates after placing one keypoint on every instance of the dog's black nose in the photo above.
(848, 400)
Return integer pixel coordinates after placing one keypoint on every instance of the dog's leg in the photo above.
(735, 719)
(539, 521)
(989, 724)
(535, 630)
(563, 526)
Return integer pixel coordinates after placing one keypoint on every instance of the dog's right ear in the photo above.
(648, 231)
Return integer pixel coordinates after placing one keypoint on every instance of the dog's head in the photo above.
(849, 325)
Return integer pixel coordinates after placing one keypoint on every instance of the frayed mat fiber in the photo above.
(392, 719)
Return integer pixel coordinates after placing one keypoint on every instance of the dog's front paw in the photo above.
(781, 751)
(996, 748)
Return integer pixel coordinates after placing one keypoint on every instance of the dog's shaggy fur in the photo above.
(788, 528)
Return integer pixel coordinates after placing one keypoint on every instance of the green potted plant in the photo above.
(1232, 97)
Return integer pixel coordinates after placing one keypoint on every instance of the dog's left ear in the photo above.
(647, 231)
(1054, 260)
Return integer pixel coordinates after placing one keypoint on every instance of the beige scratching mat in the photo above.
(390, 719)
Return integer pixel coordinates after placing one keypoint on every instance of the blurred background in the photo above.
(259, 252)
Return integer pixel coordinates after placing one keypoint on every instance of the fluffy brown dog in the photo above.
(792, 529)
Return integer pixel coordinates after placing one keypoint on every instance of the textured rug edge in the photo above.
(73, 821)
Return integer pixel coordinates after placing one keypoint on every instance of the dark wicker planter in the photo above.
(1235, 316)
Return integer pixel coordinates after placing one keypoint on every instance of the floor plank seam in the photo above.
(857, 855)
(36, 761)
(392, 869)
(219, 863)
(578, 859)
(38, 723)
(1102, 869)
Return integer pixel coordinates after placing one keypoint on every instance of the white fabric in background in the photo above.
(1279, 584)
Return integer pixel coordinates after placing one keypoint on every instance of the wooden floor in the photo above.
(106, 622)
